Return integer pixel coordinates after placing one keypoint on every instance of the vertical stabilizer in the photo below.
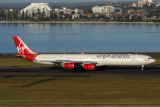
(22, 48)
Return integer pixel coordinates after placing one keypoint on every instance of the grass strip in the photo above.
(79, 90)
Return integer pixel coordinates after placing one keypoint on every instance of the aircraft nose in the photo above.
(153, 60)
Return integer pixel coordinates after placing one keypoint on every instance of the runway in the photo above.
(103, 71)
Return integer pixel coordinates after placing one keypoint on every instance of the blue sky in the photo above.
(20, 1)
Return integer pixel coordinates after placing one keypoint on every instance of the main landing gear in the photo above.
(142, 67)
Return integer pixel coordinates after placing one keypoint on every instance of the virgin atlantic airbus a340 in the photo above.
(87, 61)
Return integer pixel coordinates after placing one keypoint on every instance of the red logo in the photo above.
(21, 48)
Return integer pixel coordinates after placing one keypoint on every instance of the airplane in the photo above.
(87, 61)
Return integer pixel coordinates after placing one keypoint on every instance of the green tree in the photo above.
(22, 17)
(2, 15)
(38, 14)
(43, 14)
(27, 14)
(33, 15)
(51, 15)
(15, 14)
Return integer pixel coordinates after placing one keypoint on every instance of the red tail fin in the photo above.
(22, 48)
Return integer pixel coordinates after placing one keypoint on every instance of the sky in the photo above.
(29, 1)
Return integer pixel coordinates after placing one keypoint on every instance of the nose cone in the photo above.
(152, 60)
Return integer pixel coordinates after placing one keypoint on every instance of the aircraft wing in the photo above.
(70, 61)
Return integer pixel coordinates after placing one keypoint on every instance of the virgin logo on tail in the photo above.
(21, 48)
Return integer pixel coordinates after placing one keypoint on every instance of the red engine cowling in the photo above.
(89, 66)
(68, 65)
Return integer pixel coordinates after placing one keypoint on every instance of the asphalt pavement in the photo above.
(102, 71)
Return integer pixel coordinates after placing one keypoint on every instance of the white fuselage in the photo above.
(98, 59)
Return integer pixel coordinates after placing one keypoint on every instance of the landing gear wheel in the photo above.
(142, 67)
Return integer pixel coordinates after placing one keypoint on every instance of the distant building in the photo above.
(9, 14)
(88, 15)
(131, 11)
(67, 11)
(158, 5)
(96, 9)
(142, 3)
(134, 5)
(78, 11)
(150, 1)
(103, 9)
(117, 10)
(75, 16)
(35, 8)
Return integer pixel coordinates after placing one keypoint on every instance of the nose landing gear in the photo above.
(142, 67)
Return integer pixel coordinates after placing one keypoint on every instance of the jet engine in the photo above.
(68, 65)
(89, 66)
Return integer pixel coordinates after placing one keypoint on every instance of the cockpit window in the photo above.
(150, 58)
